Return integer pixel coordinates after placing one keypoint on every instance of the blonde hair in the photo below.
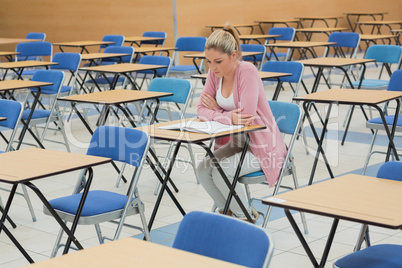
(226, 41)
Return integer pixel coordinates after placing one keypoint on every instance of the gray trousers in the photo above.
(228, 157)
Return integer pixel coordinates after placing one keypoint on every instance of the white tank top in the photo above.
(226, 104)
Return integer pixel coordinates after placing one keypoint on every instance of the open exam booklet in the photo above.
(208, 127)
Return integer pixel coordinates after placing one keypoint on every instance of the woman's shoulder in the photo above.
(247, 68)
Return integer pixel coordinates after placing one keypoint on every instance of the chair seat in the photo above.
(278, 54)
(65, 89)
(376, 123)
(97, 202)
(38, 113)
(384, 256)
(183, 68)
(257, 58)
(103, 81)
(371, 83)
(159, 72)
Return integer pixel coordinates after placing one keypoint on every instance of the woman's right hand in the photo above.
(241, 119)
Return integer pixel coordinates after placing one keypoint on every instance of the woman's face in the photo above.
(220, 63)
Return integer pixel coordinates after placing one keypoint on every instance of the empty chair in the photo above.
(117, 39)
(288, 117)
(286, 34)
(34, 51)
(129, 146)
(395, 84)
(258, 60)
(38, 36)
(224, 238)
(382, 255)
(187, 44)
(153, 60)
(69, 62)
(154, 34)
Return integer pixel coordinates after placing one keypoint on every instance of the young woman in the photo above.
(234, 95)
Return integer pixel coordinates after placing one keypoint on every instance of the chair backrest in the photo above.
(391, 170)
(253, 48)
(40, 36)
(66, 61)
(395, 82)
(180, 88)
(287, 116)
(126, 145)
(287, 33)
(345, 40)
(117, 39)
(157, 60)
(12, 110)
(154, 34)
(120, 49)
(196, 44)
(384, 53)
(224, 238)
(34, 49)
(51, 76)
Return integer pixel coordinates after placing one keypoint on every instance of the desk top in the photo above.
(189, 137)
(19, 84)
(379, 22)
(351, 197)
(25, 64)
(365, 13)
(142, 38)
(319, 17)
(333, 61)
(34, 163)
(263, 75)
(3, 118)
(117, 96)
(234, 25)
(153, 49)
(301, 44)
(321, 29)
(8, 53)
(202, 55)
(5, 41)
(258, 36)
(127, 251)
(82, 43)
(365, 37)
(278, 21)
(122, 68)
(351, 96)
(95, 56)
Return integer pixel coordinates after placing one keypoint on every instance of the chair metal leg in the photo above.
(28, 200)
(369, 153)
(57, 244)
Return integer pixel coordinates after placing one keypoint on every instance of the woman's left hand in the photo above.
(208, 101)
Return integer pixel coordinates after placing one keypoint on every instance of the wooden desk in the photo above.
(324, 19)
(8, 54)
(138, 39)
(350, 198)
(3, 118)
(367, 38)
(256, 37)
(11, 85)
(397, 32)
(7, 41)
(81, 44)
(128, 251)
(359, 97)
(24, 166)
(236, 26)
(100, 56)
(124, 69)
(360, 14)
(286, 22)
(18, 66)
(378, 24)
(153, 50)
(308, 32)
(196, 138)
(304, 46)
(263, 76)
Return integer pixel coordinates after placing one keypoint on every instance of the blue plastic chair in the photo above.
(287, 34)
(187, 44)
(117, 39)
(104, 82)
(344, 41)
(69, 62)
(126, 145)
(153, 60)
(154, 34)
(288, 117)
(258, 60)
(383, 255)
(225, 238)
(39, 36)
(12, 110)
(395, 84)
(34, 50)
(51, 113)
(294, 68)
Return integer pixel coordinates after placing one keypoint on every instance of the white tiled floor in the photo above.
(38, 237)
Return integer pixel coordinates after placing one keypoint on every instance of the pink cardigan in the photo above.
(248, 92)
